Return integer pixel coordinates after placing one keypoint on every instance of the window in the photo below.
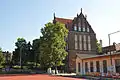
(76, 47)
(91, 66)
(117, 65)
(84, 38)
(97, 66)
(86, 66)
(76, 42)
(88, 30)
(79, 68)
(83, 29)
(80, 42)
(75, 28)
(79, 28)
(75, 37)
(89, 44)
(104, 66)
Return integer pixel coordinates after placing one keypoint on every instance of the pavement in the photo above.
(65, 74)
(36, 77)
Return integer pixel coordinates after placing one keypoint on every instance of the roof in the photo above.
(114, 47)
(86, 56)
(63, 20)
(109, 48)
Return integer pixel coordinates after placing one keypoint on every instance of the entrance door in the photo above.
(117, 65)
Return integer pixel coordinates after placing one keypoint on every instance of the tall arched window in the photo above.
(89, 43)
(84, 38)
(80, 42)
(76, 42)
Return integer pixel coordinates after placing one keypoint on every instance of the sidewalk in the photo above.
(65, 74)
(73, 75)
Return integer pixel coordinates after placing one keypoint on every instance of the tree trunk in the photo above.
(36, 60)
(55, 69)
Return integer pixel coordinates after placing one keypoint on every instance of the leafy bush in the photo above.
(1, 66)
(16, 72)
(16, 67)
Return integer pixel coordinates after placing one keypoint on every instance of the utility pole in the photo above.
(111, 68)
(21, 48)
(20, 56)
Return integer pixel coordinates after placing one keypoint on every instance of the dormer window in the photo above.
(79, 28)
(83, 29)
(88, 30)
(75, 28)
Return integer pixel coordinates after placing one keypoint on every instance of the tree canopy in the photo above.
(1, 57)
(24, 48)
(48, 50)
(36, 50)
(99, 47)
(52, 44)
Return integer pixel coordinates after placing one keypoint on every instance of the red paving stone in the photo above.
(36, 77)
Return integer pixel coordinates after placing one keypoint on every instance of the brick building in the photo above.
(81, 38)
(100, 63)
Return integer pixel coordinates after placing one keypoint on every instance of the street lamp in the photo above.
(110, 50)
(21, 47)
(20, 55)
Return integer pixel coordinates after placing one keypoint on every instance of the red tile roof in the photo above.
(63, 20)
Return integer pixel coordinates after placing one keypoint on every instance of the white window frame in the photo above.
(84, 29)
(75, 28)
(79, 28)
(88, 29)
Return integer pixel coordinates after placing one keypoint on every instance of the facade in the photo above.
(99, 63)
(81, 38)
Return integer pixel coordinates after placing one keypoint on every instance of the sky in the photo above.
(25, 18)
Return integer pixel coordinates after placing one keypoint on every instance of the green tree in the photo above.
(24, 50)
(52, 45)
(99, 47)
(36, 50)
(21, 47)
(2, 60)
(29, 55)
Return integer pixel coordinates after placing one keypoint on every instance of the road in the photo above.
(36, 77)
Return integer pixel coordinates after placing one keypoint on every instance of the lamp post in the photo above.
(20, 55)
(21, 47)
(110, 50)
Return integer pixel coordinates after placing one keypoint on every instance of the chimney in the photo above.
(54, 15)
(101, 43)
(54, 20)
